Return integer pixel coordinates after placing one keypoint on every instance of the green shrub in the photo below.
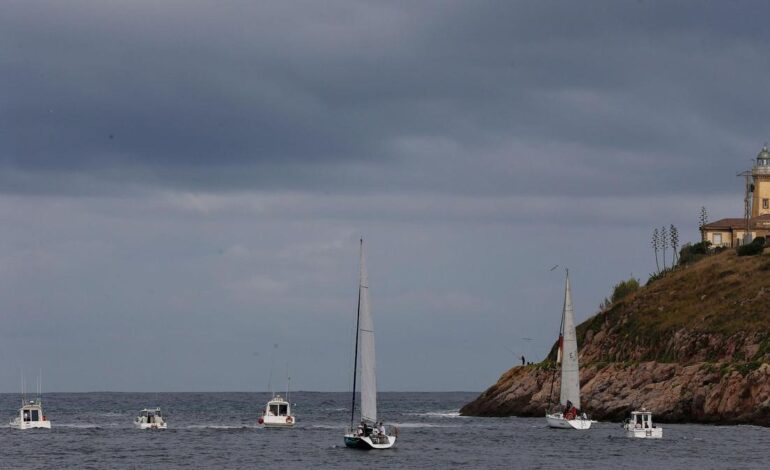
(620, 291)
(746, 368)
(754, 248)
(659, 275)
(624, 288)
(693, 252)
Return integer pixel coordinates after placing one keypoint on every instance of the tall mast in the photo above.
(559, 347)
(355, 356)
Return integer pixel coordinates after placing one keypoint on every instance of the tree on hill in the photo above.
(674, 234)
(704, 217)
(664, 243)
(655, 245)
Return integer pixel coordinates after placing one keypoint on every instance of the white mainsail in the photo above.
(570, 374)
(366, 348)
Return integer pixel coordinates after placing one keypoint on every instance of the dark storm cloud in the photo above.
(220, 145)
(337, 96)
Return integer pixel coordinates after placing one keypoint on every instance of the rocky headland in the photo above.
(693, 346)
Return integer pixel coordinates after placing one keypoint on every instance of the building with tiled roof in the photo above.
(732, 232)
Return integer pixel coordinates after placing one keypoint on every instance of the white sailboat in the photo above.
(370, 433)
(568, 414)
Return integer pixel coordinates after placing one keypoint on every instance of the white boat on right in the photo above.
(150, 418)
(568, 415)
(640, 425)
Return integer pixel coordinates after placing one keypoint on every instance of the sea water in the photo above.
(219, 430)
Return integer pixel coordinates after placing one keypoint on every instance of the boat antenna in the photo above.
(288, 381)
(355, 355)
(272, 363)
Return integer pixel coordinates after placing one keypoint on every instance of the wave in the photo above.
(83, 425)
(328, 426)
(438, 414)
(423, 425)
(217, 426)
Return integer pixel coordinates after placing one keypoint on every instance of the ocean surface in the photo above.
(219, 430)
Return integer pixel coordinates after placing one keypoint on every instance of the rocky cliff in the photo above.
(693, 346)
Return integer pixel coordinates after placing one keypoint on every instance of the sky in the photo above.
(183, 184)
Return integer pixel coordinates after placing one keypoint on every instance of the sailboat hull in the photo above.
(557, 421)
(366, 443)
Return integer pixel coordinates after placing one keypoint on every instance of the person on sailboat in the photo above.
(381, 428)
(570, 412)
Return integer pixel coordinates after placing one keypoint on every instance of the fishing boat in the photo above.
(567, 414)
(31, 415)
(277, 413)
(640, 425)
(370, 433)
(150, 418)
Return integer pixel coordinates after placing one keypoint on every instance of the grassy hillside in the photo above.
(715, 309)
(694, 346)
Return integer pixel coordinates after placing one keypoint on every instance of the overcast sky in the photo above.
(183, 183)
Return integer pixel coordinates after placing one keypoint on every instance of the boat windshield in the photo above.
(278, 409)
(31, 415)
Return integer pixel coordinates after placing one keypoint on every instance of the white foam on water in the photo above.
(82, 425)
(423, 425)
(328, 426)
(438, 414)
(218, 426)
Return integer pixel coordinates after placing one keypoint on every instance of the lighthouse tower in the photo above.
(761, 175)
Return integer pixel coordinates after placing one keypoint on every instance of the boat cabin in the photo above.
(277, 407)
(32, 413)
(641, 420)
(150, 415)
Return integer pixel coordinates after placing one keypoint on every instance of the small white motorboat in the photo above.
(31, 416)
(150, 418)
(277, 414)
(640, 425)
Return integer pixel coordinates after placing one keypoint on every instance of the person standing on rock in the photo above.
(523, 361)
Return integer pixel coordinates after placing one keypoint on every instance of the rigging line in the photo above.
(355, 356)
(272, 364)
